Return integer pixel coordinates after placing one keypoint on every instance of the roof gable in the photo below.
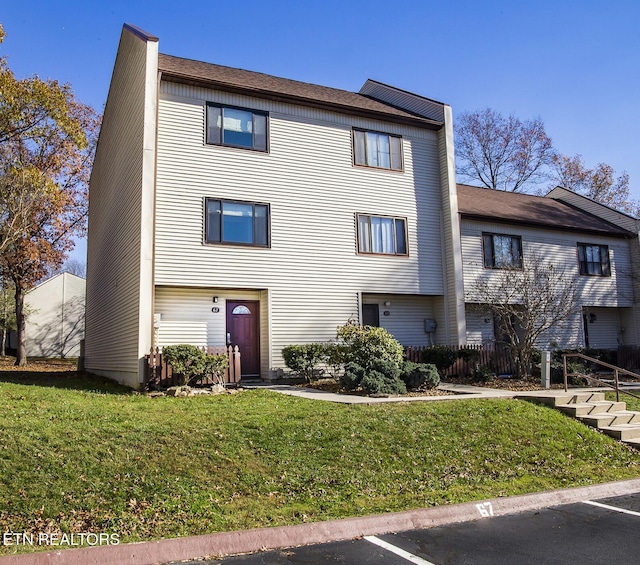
(525, 209)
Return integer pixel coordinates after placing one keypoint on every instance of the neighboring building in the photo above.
(592, 243)
(55, 317)
(232, 206)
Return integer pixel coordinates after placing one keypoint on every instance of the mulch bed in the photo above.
(331, 385)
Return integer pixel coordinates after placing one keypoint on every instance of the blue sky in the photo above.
(576, 64)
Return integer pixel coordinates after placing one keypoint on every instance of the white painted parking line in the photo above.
(621, 510)
(400, 552)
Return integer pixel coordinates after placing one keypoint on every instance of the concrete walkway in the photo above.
(458, 392)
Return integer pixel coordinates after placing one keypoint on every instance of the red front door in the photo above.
(243, 324)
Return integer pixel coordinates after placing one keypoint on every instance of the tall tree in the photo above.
(599, 184)
(7, 312)
(501, 153)
(46, 152)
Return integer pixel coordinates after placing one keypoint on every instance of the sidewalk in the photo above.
(458, 392)
(251, 541)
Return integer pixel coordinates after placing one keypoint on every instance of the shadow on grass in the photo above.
(58, 374)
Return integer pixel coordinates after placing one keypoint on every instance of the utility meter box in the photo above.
(430, 325)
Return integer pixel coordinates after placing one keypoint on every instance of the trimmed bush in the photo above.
(382, 377)
(368, 343)
(334, 358)
(305, 359)
(375, 382)
(352, 376)
(215, 366)
(420, 375)
(441, 356)
(191, 364)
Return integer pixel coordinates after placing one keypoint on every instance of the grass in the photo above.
(80, 454)
(633, 403)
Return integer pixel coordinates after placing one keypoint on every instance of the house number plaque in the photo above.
(215, 309)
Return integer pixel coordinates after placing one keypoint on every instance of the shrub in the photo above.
(334, 358)
(188, 362)
(375, 382)
(441, 356)
(365, 344)
(352, 376)
(482, 374)
(420, 375)
(305, 359)
(215, 366)
(382, 377)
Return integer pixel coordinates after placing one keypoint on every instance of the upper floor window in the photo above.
(382, 234)
(236, 127)
(243, 223)
(502, 251)
(381, 150)
(594, 259)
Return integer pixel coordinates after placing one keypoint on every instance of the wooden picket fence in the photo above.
(159, 375)
(498, 358)
(494, 356)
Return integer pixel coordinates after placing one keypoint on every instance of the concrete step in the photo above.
(594, 407)
(611, 418)
(555, 399)
(623, 432)
(633, 443)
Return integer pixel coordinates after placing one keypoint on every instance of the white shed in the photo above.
(55, 317)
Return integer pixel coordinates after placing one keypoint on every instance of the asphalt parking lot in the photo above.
(599, 532)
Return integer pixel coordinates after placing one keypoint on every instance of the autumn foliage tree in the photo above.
(47, 139)
(600, 183)
(501, 153)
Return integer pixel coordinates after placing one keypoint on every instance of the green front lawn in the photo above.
(85, 456)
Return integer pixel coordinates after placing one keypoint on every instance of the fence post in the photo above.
(236, 364)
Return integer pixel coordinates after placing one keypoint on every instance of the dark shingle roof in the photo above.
(524, 209)
(276, 88)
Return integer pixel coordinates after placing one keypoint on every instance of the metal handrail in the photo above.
(616, 372)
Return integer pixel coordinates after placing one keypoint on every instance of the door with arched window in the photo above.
(243, 330)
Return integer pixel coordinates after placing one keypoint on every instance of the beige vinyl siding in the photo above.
(632, 323)
(605, 329)
(405, 100)
(186, 314)
(312, 270)
(452, 267)
(560, 249)
(406, 317)
(479, 326)
(118, 319)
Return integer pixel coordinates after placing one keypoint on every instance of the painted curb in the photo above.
(250, 541)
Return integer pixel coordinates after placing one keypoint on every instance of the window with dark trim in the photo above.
(236, 127)
(379, 150)
(594, 259)
(235, 222)
(382, 235)
(502, 251)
